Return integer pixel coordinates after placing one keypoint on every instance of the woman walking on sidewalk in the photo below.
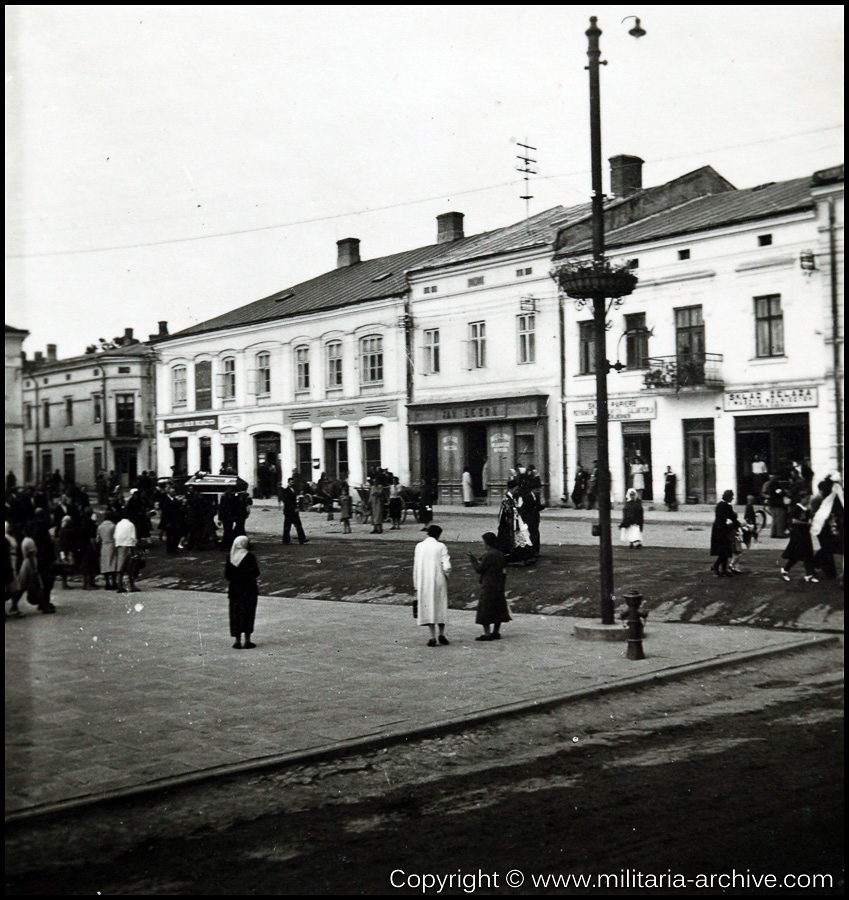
(492, 606)
(242, 571)
(800, 547)
(725, 525)
(631, 527)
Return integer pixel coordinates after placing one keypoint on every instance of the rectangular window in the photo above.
(125, 415)
(430, 289)
(477, 281)
(263, 374)
(203, 384)
(97, 409)
(586, 348)
(69, 465)
(527, 338)
(521, 273)
(764, 240)
(29, 467)
(178, 382)
(333, 353)
(689, 335)
(636, 341)
(69, 411)
(683, 254)
(98, 460)
(769, 326)
(302, 367)
(477, 345)
(371, 359)
(46, 413)
(28, 415)
(431, 351)
(228, 382)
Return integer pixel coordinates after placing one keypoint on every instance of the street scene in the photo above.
(458, 504)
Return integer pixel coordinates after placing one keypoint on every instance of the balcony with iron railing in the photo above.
(683, 373)
(125, 429)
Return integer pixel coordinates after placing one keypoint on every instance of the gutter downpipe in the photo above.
(835, 330)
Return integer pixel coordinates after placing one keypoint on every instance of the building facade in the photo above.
(89, 414)
(725, 341)
(14, 432)
(311, 380)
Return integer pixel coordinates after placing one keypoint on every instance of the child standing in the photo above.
(346, 509)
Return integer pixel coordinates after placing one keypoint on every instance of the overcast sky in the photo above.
(169, 162)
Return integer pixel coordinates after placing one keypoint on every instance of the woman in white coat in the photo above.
(431, 566)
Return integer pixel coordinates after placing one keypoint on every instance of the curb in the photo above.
(390, 738)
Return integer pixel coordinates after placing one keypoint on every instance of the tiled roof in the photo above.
(138, 349)
(10, 329)
(537, 231)
(370, 279)
(714, 211)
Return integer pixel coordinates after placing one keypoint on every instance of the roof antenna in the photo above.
(528, 169)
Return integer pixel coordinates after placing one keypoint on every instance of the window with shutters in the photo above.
(203, 384)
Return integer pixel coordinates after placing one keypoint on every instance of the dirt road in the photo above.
(738, 770)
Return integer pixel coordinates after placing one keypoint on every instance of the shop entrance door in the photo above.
(636, 446)
(336, 458)
(126, 465)
(476, 452)
(268, 474)
(429, 454)
(749, 445)
(700, 460)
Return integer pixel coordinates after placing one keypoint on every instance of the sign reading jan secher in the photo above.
(618, 410)
(776, 398)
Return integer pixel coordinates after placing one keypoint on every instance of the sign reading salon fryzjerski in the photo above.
(773, 398)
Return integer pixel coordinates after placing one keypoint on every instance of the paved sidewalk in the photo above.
(117, 692)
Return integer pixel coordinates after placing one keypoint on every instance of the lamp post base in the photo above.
(596, 631)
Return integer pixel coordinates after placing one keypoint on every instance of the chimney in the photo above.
(39, 356)
(51, 352)
(163, 329)
(449, 227)
(348, 252)
(626, 175)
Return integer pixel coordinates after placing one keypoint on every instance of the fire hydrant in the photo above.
(634, 619)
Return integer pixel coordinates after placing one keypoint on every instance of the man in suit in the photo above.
(291, 516)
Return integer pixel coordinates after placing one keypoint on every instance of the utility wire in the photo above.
(490, 187)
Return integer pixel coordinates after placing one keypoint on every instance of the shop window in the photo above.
(203, 385)
(586, 348)
(263, 374)
(333, 355)
(371, 360)
(527, 338)
(178, 385)
(431, 351)
(302, 369)
(636, 341)
(769, 326)
(477, 345)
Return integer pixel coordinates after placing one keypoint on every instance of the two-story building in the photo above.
(312, 378)
(91, 413)
(728, 340)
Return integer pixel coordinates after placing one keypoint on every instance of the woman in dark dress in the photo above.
(88, 553)
(725, 525)
(801, 547)
(492, 606)
(242, 571)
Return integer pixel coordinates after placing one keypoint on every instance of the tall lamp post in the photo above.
(598, 283)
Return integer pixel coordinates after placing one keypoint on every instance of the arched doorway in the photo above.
(268, 474)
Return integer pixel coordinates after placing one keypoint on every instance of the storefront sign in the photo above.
(530, 407)
(231, 437)
(482, 411)
(233, 420)
(450, 443)
(196, 424)
(617, 410)
(349, 413)
(788, 398)
(500, 443)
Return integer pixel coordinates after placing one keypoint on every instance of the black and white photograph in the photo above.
(424, 450)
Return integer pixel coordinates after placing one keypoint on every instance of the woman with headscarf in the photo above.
(800, 547)
(631, 527)
(827, 524)
(513, 538)
(722, 534)
(242, 571)
(108, 552)
(492, 606)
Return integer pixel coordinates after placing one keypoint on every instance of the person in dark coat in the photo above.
(492, 606)
(228, 510)
(171, 521)
(426, 498)
(631, 527)
(291, 516)
(670, 489)
(722, 534)
(45, 558)
(800, 548)
(242, 571)
(89, 556)
(578, 491)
